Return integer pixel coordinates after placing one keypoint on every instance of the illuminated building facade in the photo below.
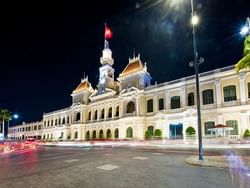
(131, 108)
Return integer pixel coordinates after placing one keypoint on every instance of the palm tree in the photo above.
(5, 115)
(245, 61)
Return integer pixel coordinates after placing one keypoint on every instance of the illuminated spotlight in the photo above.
(15, 116)
(244, 31)
(194, 20)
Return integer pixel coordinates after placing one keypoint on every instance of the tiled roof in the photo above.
(132, 67)
(82, 86)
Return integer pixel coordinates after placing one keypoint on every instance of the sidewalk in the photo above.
(233, 161)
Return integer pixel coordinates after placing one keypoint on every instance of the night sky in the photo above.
(47, 46)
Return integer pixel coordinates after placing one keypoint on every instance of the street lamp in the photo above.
(246, 29)
(15, 116)
(195, 64)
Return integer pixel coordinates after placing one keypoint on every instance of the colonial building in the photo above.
(26, 130)
(130, 107)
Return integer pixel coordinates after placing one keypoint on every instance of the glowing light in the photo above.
(174, 3)
(16, 116)
(244, 31)
(194, 20)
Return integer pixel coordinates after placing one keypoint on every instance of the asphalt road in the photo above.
(131, 167)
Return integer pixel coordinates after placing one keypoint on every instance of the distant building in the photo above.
(26, 130)
(131, 108)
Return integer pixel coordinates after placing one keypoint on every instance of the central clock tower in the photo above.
(106, 71)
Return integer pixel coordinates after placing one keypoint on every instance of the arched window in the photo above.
(110, 112)
(208, 96)
(129, 132)
(161, 104)
(78, 116)
(87, 135)
(59, 121)
(51, 123)
(191, 99)
(116, 133)
(130, 107)
(108, 133)
(102, 114)
(117, 111)
(63, 121)
(89, 116)
(68, 120)
(101, 134)
(94, 134)
(248, 89)
(51, 136)
(150, 106)
(56, 122)
(76, 135)
(229, 93)
(175, 102)
(95, 115)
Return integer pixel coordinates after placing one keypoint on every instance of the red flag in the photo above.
(107, 33)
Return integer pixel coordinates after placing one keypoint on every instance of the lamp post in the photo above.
(15, 116)
(195, 64)
(246, 29)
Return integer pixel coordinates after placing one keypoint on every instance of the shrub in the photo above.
(190, 131)
(246, 134)
(147, 134)
(157, 133)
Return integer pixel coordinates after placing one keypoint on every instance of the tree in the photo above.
(5, 115)
(245, 61)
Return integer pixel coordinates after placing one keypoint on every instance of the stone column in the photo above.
(137, 106)
(167, 100)
(121, 109)
(183, 97)
(244, 123)
(155, 103)
(243, 98)
(218, 92)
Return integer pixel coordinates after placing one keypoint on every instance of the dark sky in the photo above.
(46, 46)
